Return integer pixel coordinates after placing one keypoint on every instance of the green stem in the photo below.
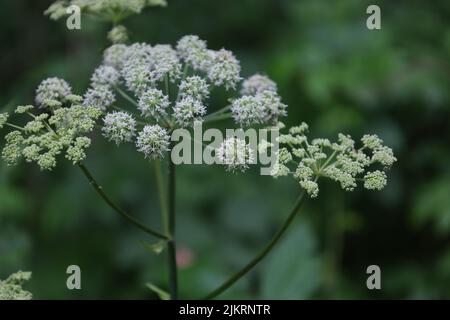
(162, 196)
(262, 253)
(218, 112)
(171, 246)
(126, 96)
(14, 126)
(124, 214)
(218, 118)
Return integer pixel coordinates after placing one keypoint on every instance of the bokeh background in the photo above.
(333, 73)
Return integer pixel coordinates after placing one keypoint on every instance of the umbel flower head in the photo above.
(112, 10)
(257, 84)
(100, 96)
(224, 70)
(235, 154)
(105, 76)
(119, 127)
(46, 136)
(118, 34)
(52, 90)
(259, 104)
(340, 161)
(3, 119)
(153, 141)
(194, 52)
(153, 103)
(11, 288)
(188, 110)
(171, 88)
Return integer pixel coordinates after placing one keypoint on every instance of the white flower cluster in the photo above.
(104, 9)
(235, 154)
(52, 92)
(153, 141)
(119, 127)
(101, 95)
(3, 119)
(341, 161)
(148, 72)
(259, 104)
(47, 135)
(11, 288)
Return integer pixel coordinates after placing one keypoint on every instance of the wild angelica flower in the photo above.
(194, 87)
(52, 89)
(119, 127)
(188, 110)
(118, 34)
(45, 137)
(11, 288)
(12, 150)
(77, 152)
(225, 69)
(100, 97)
(105, 76)
(138, 76)
(248, 110)
(338, 161)
(115, 55)
(375, 180)
(164, 62)
(24, 109)
(257, 84)
(105, 9)
(274, 108)
(37, 124)
(235, 154)
(194, 52)
(153, 141)
(3, 119)
(153, 103)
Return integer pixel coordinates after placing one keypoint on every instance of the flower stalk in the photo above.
(263, 253)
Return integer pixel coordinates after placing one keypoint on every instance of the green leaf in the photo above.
(156, 248)
(163, 295)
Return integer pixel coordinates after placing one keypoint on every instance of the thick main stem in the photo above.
(171, 246)
(116, 208)
(262, 253)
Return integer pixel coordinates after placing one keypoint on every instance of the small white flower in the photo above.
(194, 87)
(118, 34)
(105, 75)
(153, 141)
(225, 69)
(248, 110)
(384, 155)
(274, 108)
(100, 97)
(119, 127)
(164, 62)
(375, 180)
(138, 76)
(194, 52)
(3, 119)
(153, 103)
(371, 141)
(235, 154)
(114, 56)
(52, 89)
(188, 110)
(257, 84)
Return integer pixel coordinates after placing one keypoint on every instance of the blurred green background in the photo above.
(333, 73)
